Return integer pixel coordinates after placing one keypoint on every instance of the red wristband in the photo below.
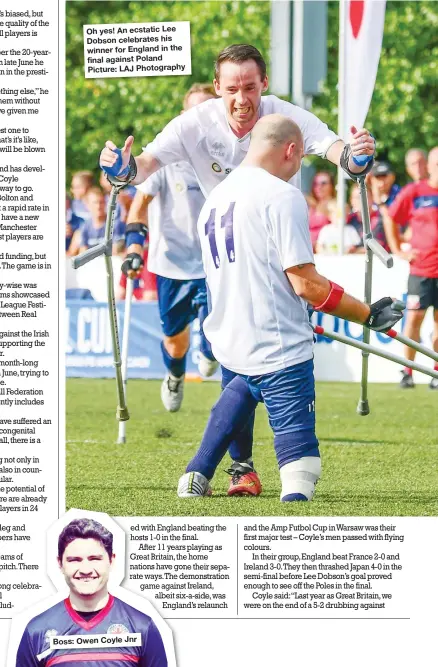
(333, 299)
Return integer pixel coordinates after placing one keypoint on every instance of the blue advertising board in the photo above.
(89, 350)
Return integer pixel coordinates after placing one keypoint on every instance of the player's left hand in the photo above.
(362, 143)
(132, 265)
(384, 314)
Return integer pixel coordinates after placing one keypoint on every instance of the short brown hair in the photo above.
(240, 53)
(206, 88)
(86, 176)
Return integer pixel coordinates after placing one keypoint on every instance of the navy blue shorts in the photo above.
(179, 302)
(289, 396)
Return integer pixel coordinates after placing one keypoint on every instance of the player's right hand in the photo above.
(384, 314)
(114, 161)
(132, 265)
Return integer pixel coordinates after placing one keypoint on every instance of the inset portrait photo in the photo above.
(92, 620)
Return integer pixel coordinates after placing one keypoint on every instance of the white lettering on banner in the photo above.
(93, 333)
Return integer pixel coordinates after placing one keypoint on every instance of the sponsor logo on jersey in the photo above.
(117, 629)
(216, 167)
(218, 149)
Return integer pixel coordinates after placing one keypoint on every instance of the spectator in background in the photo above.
(328, 242)
(384, 191)
(124, 198)
(92, 231)
(322, 196)
(81, 182)
(417, 203)
(355, 219)
(416, 164)
(72, 223)
(382, 181)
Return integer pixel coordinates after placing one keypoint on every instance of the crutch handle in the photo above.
(91, 253)
(380, 252)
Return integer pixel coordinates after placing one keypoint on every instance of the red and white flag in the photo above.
(362, 23)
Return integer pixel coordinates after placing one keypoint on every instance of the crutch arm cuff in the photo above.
(345, 156)
(332, 301)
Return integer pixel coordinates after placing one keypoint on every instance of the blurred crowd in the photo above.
(382, 189)
(86, 206)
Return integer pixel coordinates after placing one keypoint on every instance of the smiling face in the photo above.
(86, 568)
(241, 86)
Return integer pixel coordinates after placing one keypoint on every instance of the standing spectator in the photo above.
(416, 164)
(355, 219)
(92, 231)
(322, 196)
(383, 186)
(81, 182)
(384, 191)
(417, 203)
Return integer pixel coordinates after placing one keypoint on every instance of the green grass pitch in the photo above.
(385, 464)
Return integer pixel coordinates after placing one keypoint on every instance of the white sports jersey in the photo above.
(253, 227)
(203, 137)
(174, 247)
(329, 237)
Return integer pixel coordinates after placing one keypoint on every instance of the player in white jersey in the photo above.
(175, 257)
(214, 137)
(258, 259)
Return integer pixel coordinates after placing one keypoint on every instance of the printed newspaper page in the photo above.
(122, 538)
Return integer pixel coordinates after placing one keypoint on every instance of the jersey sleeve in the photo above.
(288, 216)
(153, 653)
(400, 209)
(168, 146)
(152, 185)
(317, 136)
(25, 653)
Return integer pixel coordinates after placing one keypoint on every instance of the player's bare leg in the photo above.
(174, 350)
(414, 320)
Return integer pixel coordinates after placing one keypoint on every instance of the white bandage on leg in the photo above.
(300, 476)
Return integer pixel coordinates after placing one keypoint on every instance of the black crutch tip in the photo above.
(363, 408)
(122, 414)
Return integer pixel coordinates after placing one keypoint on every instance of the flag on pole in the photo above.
(362, 33)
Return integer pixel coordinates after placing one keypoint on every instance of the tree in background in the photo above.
(402, 114)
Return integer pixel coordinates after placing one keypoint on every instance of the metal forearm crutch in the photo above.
(125, 348)
(370, 349)
(372, 247)
(105, 249)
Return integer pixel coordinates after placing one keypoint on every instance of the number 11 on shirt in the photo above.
(210, 231)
